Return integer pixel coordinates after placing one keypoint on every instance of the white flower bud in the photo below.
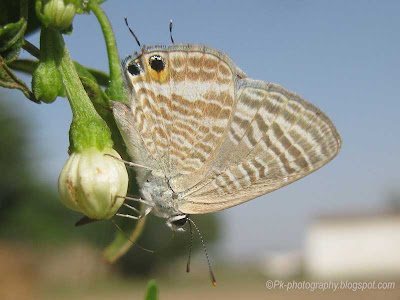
(91, 181)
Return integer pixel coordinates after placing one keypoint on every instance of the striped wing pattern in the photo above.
(183, 112)
(275, 138)
(220, 138)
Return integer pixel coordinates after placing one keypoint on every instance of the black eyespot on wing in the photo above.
(157, 63)
(134, 69)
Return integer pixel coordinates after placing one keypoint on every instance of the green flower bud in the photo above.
(57, 14)
(47, 82)
(90, 182)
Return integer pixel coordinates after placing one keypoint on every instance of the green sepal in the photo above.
(102, 104)
(11, 40)
(83, 135)
(47, 82)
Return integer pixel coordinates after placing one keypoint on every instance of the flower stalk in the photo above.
(116, 90)
(88, 129)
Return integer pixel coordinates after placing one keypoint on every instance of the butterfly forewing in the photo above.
(183, 112)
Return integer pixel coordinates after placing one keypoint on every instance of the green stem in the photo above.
(88, 129)
(28, 66)
(80, 103)
(122, 243)
(31, 49)
(116, 90)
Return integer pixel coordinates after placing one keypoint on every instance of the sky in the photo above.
(343, 56)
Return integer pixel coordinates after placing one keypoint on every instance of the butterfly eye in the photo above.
(157, 63)
(179, 222)
(134, 69)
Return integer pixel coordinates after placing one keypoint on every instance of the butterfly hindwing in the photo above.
(275, 138)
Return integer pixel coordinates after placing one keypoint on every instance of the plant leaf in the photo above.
(11, 39)
(152, 290)
(9, 80)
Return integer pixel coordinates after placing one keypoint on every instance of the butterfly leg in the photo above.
(138, 200)
(128, 163)
(128, 216)
(140, 214)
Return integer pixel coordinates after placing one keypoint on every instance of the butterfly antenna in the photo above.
(170, 31)
(190, 248)
(134, 35)
(212, 277)
(128, 238)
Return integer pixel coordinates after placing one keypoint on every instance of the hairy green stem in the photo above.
(31, 49)
(88, 129)
(116, 90)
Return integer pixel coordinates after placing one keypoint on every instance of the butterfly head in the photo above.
(177, 222)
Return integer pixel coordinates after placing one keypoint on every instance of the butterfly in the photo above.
(204, 137)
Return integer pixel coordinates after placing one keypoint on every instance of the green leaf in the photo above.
(102, 78)
(27, 66)
(98, 97)
(11, 40)
(152, 290)
(9, 80)
(12, 10)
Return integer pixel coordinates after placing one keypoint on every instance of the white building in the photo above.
(354, 246)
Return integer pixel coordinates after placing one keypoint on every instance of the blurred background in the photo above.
(340, 223)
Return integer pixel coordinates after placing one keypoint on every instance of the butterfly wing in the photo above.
(275, 138)
(178, 116)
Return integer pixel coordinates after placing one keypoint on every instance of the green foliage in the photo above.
(11, 39)
(11, 11)
(17, 18)
(152, 291)
(30, 211)
(9, 80)
(28, 66)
